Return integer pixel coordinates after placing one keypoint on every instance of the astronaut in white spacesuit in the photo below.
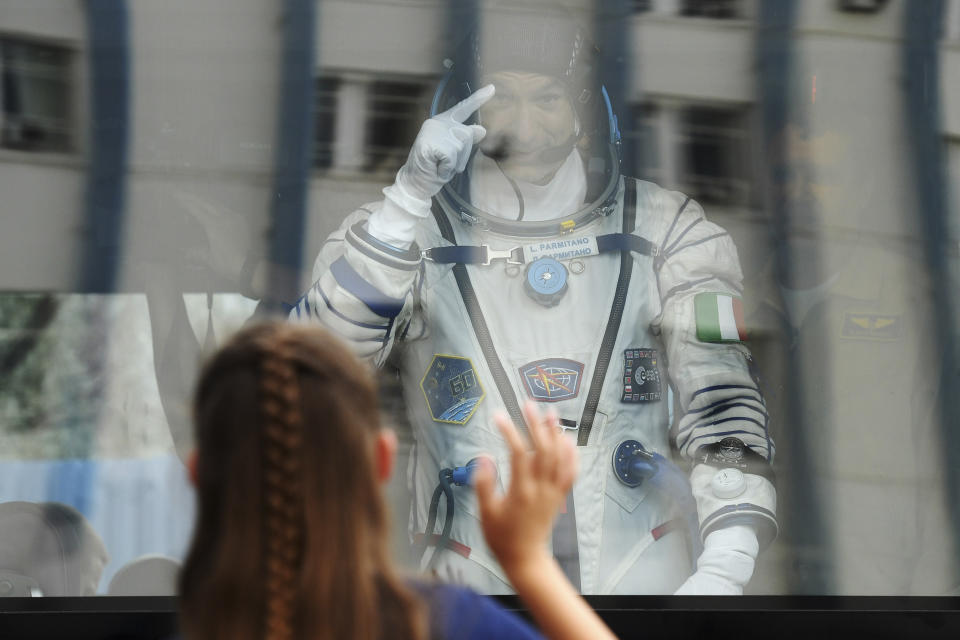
(511, 260)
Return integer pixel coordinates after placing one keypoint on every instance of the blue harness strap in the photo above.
(626, 242)
(458, 255)
(482, 254)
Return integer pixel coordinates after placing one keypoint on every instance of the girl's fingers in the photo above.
(551, 451)
(485, 485)
(534, 424)
(510, 434)
(569, 467)
(519, 459)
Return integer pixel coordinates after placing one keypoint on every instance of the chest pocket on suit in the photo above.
(627, 497)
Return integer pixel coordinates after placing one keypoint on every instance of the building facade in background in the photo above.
(844, 328)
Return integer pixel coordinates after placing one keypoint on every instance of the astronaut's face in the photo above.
(530, 125)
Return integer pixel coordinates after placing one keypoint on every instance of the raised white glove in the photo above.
(726, 564)
(440, 151)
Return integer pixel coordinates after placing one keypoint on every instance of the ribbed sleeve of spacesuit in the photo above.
(718, 395)
(723, 411)
(362, 288)
(720, 401)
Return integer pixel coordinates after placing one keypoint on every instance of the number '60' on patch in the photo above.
(452, 389)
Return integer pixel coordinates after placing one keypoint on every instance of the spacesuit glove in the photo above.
(440, 151)
(726, 563)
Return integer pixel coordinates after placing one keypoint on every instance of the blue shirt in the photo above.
(458, 613)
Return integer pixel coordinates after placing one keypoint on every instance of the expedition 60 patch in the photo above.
(452, 389)
(552, 379)
(641, 376)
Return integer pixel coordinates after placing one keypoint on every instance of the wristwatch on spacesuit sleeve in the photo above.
(734, 485)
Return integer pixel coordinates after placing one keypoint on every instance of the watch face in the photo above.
(731, 448)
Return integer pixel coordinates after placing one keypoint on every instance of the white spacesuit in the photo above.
(537, 271)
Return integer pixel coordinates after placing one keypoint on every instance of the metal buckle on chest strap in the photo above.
(512, 256)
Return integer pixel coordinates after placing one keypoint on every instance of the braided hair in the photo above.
(291, 533)
(282, 425)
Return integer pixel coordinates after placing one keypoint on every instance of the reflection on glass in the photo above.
(36, 89)
(500, 251)
(48, 549)
(539, 273)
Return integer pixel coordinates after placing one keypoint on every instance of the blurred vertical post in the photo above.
(294, 152)
(923, 22)
(101, 238)
(800, 509)
(463, 16)
(108, 32)
(612, 29)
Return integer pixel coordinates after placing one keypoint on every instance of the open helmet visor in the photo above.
(560, 50)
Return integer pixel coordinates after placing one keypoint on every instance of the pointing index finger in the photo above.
(465, 108)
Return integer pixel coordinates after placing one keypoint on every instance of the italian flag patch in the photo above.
(719, 317)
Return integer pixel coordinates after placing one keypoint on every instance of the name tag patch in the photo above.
(452, 389)
(562, 249)
(552, 379)
(641, 376)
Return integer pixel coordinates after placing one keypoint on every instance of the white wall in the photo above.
(949, 72)
(389, 37)
(42, 201)
(690, 58)
(63, 21)
(40, 212)
(205, 95)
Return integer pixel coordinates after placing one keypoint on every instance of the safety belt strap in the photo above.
(482, 254)
(565, 545)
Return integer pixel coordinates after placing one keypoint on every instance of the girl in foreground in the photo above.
(291, 540)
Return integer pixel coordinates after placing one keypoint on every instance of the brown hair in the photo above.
(291, 531)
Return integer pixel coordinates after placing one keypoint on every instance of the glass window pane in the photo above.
(36, 86)
(719, 239)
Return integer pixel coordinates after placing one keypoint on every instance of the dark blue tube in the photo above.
(108, 33)
(808, 568)
(612, 30)
(921, 76)
(293, 160)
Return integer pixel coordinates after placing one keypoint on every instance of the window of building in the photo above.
(861, 6)
(325, 121)
(710, 8)
(640, 143)
(395, 112)
(35, 96)
(367, 124)
(713, 155)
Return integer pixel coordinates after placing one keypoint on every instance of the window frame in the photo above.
(368, 157)
(72, 78)
(740, 618)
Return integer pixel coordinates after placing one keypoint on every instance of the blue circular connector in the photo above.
(632, 464)
(546, 281)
